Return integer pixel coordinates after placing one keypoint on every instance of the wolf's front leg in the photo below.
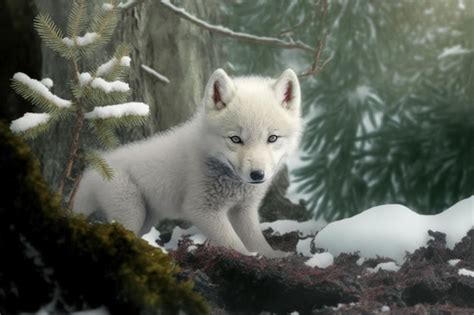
(215, 224)
(244, 219)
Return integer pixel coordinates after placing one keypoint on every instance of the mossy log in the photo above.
(49, 255)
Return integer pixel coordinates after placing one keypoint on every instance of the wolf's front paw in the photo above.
(276, 254)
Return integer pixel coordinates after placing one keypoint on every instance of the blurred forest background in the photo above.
(388, 88)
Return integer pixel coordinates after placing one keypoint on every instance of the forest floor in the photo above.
(430, 281)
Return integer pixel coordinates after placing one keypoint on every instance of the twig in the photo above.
(317, 65)
(262, 40)
(73, 193)
(73, 149)
(155, 74)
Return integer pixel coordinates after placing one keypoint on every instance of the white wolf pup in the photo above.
(213, 170)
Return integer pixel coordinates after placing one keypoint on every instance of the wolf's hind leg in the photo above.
(122, 201)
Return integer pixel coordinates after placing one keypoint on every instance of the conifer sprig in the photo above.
(96, 161)
(77, 20)
(52, 36)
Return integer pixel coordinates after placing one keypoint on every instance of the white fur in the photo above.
(195, 172)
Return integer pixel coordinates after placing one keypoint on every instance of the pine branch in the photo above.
(32, 125)
(105, 134)
(52, 35)
(117, 67)
(96, 161)
(35, 92)
(103, 24)
(77, 20)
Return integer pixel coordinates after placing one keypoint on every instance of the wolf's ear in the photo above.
(287, 89)
(219, 90)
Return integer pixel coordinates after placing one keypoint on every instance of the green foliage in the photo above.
(96, 161)
(39, 100)
(388, 120)
(85, 96)
(52, 36)
(78, 264)
(77, 20)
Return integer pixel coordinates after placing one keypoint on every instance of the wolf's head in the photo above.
(253, 123)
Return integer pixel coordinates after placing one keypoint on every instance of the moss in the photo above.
(47, 253)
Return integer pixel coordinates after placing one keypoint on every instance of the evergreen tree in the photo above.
(390, 118)
(98, 98)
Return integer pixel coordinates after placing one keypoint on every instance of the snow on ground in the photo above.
(28, 121)
(151, 238)
(120, 110)
(392, 230)
(320, 260)
(41, 89)
(85, 40)
(387, 266)
(281, 227)
(178, 234)
(304, 247)
(465, 272)
(453, 262)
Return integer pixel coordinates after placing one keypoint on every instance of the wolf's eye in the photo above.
(272, 139)
(235, 139)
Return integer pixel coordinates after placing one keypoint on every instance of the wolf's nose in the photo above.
(257, 175)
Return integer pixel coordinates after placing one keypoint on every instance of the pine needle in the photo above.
(97, 162)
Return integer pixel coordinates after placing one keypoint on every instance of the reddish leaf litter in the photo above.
(425, 284)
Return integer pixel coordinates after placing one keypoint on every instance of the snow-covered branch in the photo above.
(156, 74)
(118, 111)
(29, 121)
(250, 38)
(37, 89)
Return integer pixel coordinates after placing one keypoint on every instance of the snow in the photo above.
(387, 266)
(105, 68)
(281, 227)
(85, 40)
(178, 234)
(125, 61)
(107, 7)
(40, 88)
(453, 262)
(453, 51)
(304, 247)
(109, 87)
(47, 82)
(385, 308)
(127, 4)
(28, 121)
(85, 78)
(155, 73)
(392, 230)
(320, 260)
(119, 110)
(465, 272)
(151, 238)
